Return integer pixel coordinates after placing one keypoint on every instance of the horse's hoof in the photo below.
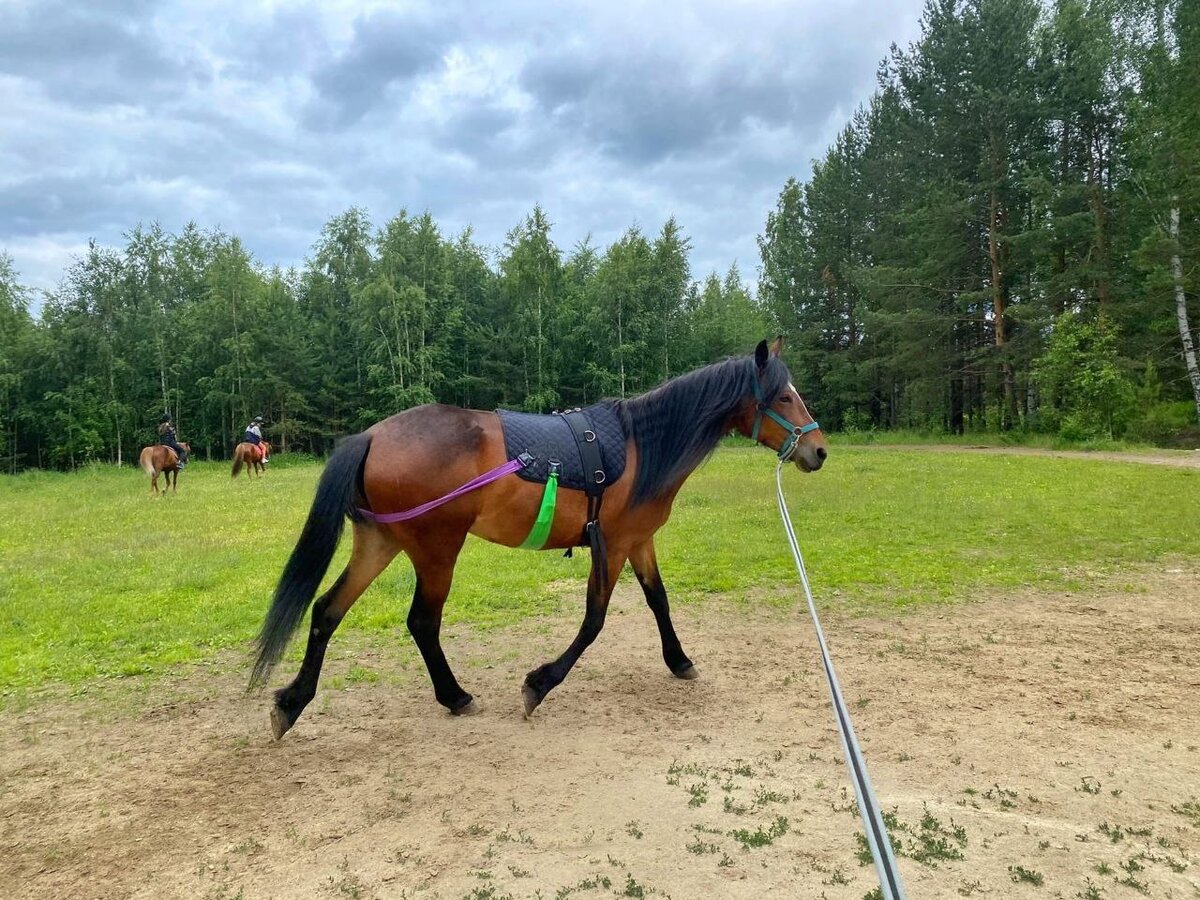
(467, 707)
(279, 722)
(691, 673)
(531, 698)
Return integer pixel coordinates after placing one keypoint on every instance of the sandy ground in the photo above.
(1018, 738)
(1186, 459)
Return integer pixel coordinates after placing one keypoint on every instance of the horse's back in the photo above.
(427, 451)
(438, 427)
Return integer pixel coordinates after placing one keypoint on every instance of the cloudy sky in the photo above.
(265, 118)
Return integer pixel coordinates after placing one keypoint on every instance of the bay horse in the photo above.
(251, 457)
(429, 451)
(161, 458)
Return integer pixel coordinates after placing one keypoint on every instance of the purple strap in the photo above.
(474, 484)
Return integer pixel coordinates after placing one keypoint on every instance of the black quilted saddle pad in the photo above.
(548, 438)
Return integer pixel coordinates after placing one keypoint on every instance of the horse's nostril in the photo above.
(821, 454)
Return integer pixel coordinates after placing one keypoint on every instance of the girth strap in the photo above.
(594, 483)
(594, 476)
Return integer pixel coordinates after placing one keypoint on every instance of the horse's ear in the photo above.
(777, 345)
(760, 354)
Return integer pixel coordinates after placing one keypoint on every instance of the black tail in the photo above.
(310, 559)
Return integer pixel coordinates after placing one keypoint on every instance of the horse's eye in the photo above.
(785, 399)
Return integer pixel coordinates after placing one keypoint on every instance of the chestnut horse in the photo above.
(161, 458)
(251, 457)
(429, 451)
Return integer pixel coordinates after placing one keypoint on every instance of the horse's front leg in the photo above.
(545, 678)
(645, 567)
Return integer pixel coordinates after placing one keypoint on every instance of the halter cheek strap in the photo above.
(795, 432)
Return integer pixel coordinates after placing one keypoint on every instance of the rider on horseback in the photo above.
(254, 436)
(166, 437)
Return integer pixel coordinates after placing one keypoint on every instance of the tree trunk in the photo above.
(112, 393)
(955, 422)
(162, 372)
(540, 381)
(621, 347)
(1100, 225)
(999, 311)
(1181, 315)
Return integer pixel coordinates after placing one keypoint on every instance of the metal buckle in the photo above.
(589, 436)
(790, 445)
(599, 476)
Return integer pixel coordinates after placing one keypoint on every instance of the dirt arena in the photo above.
(1030, 745)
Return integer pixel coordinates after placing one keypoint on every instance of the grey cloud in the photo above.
(92, 52)
(648, 108)
(112, 113)
(478, 130)
(388, 50)
(291, 39)
(43, 204)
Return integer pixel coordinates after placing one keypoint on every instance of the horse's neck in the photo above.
(731, 421)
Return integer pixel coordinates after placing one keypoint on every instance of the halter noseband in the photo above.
(795, 432)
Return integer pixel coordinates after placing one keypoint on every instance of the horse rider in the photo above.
(166, 437)
(254, 436)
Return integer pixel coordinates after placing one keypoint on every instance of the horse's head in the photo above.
(777, 416)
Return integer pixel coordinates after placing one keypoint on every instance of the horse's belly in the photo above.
(508, 520)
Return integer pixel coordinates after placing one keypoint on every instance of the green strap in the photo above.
(545, 517)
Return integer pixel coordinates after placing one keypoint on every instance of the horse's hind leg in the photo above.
(373, 550)
(433, 563)
(645, 567)
(545, 678)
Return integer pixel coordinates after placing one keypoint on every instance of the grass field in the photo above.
(906, 436)
(98, 581)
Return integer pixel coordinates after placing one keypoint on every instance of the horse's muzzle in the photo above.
(809, 459)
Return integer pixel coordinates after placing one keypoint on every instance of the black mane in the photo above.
(679, 423)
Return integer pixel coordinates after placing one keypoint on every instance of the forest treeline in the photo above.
(1005, 237)
(377, 320)
(1008, 234)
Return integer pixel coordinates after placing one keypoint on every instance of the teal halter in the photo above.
(795, 432)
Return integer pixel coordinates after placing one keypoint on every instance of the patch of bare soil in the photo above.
(1021, 740)
(1185, 459)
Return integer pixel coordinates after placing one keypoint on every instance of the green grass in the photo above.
(98, 581)
(899, 436)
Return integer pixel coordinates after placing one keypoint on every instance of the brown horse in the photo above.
(426, 452)
(249, 455)
(161, 458)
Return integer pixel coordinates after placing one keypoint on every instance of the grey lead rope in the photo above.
(890, 885)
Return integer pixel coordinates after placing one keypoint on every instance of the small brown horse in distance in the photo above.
(248, 455)
(160, 458)
(426, 452)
